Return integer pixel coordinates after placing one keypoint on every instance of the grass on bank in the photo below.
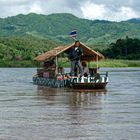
(114, 63)
(65, 63)
(119, 63)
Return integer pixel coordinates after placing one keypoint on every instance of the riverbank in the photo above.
(112, 63)
(104, 63)
(119, 63)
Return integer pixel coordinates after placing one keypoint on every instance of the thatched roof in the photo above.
(88, 53)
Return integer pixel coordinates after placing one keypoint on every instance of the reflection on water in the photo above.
(75, 110)
(30, 112)
(72, 97)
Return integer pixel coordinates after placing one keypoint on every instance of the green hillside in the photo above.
(23, 37)
(57, 27)
(18, 49)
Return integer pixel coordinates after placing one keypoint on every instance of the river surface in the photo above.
(30, 112)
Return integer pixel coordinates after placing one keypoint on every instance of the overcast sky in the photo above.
(114, 10)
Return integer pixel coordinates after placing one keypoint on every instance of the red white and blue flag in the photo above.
(73, 34)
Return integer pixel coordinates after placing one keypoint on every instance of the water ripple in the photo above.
(30, 112)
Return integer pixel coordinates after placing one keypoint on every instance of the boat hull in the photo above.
(89, 85)
(76, 83)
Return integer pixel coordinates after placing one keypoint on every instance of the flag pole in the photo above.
(74, 39)
(97, 64)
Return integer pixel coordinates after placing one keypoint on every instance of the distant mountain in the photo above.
(134, 20)
(58, 26)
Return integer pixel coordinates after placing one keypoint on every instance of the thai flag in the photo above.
(73, 34)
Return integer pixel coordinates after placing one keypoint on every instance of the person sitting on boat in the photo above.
(75, 54)
(49, 68)
(59, 77)
(49, 64)
(85, 69)
(97, 75)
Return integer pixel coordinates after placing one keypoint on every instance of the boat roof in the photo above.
(88, 53)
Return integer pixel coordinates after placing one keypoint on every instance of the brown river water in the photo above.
(30, 112)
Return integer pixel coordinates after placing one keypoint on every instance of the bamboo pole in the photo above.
(97, 64)
(56, 63)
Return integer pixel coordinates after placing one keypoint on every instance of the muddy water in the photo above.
(30, 112)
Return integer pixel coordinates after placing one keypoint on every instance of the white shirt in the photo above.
(86, 70)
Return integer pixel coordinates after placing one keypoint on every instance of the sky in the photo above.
(113, 10)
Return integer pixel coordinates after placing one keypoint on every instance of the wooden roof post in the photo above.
(97, 65)
(56, 63)
(88, 64)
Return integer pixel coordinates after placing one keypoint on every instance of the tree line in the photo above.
(27, 48)
(128, 48)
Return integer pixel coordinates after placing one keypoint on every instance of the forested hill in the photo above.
(23, 37)
(58, 26)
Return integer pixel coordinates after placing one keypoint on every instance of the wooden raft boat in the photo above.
(54, 76)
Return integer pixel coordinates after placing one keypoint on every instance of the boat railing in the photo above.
(102, 77)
